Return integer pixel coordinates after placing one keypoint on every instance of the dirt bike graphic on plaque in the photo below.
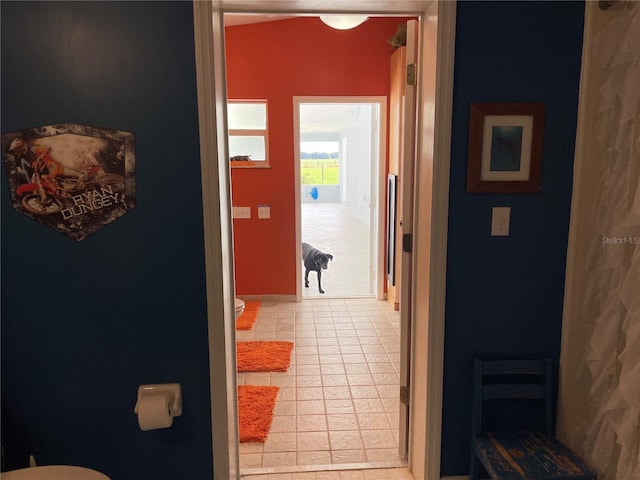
(73, 178)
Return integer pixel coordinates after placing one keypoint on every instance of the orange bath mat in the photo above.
(248, 317)
(262, 356)
(255, 411)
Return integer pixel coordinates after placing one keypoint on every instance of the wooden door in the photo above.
(396, 121)
(402, 155)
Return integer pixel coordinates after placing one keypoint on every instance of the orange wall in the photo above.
(277, 61)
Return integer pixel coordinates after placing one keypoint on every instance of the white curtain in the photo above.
(599, 402)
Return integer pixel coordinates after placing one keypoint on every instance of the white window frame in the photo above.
(264, 133)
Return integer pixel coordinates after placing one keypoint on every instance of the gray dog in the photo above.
(316, 260)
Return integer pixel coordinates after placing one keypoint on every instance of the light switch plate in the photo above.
(500, 219)
(264, 211)
(241, 212)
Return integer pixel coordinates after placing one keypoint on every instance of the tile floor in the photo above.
(338, 402)
(333, 229)
(370, 474)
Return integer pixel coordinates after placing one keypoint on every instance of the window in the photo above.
(248, 145)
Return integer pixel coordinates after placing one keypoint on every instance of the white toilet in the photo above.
(239, 307)
(54, 472)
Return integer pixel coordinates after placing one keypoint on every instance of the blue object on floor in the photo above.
(314, 193)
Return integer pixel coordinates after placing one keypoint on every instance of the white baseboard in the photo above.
(269, 298)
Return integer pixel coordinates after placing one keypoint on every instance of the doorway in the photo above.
(338, 402)
(431, 214)
(340, 144)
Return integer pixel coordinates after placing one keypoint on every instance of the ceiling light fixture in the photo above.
(343, 22)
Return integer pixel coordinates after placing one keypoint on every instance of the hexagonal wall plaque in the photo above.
(73, 178)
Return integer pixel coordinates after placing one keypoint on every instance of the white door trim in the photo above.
(218, 239)
(431, 219)
(437, 17)
(382, 150)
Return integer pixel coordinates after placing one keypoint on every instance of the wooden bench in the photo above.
(519, 455)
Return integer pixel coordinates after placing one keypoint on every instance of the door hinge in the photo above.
(407, 243)
(412, 77)
(404, 395)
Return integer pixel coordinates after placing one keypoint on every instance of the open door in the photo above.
(407, 156)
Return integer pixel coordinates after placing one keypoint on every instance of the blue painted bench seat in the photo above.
(505, 387)
(529, 455)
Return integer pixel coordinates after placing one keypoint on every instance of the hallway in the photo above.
(332, 228)
(338, 401)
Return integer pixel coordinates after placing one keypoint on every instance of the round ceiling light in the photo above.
(343, 22)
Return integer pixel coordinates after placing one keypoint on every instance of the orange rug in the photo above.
(255, 411)
(248, 317)
(263, 356)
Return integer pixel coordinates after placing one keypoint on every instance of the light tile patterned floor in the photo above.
(332, 228)
(338, 402)
(370, 474)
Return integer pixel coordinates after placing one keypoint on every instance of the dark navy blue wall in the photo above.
(505, 294)
(84, 323)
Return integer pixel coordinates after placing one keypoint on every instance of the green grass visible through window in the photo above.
(320, 172)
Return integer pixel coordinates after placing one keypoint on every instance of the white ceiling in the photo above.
(328, 118)
(231, 19)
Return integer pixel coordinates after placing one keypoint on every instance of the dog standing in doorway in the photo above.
(314, 260)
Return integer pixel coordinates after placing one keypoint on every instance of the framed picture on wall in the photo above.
(505, 147)
(73, 178)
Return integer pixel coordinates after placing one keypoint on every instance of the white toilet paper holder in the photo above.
(173, 390)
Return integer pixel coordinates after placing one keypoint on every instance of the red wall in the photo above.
(277, 61)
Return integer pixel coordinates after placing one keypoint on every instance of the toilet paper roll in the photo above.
(154, 411)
